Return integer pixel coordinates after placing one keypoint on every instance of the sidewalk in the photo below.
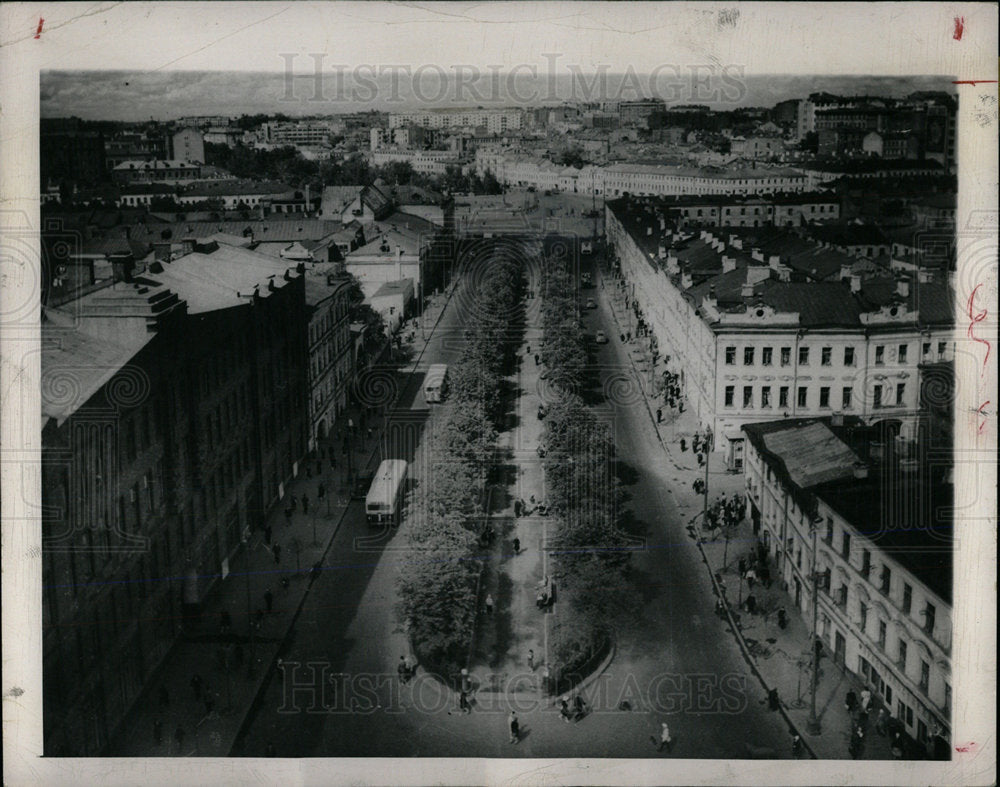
(781, 658)
(235, 665)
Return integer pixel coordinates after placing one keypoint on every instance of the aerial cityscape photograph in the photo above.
(609, 421)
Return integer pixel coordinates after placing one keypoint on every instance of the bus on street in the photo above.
(385, 496)
(435, 383)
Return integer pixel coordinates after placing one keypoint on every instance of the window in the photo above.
(826, 356)
(766, 355)
(783, 396)
(845, 547)
(929, 613)
(882, 628)
(803, 356)
(900, 393)
(748, 396)
(730, 356)
(829, 530)
(925, 350)
(848, 356)
(877, 397)
(824, 396)
(730, 393)
(765, 396)
(842, 595)
(942, 346)
(748, 356)
(901, 659)
(907, 598)
(866, 562)
(879, 355)
(863, 624)
(846, 398)
(886, 582)
(786, 356)
(925, 675)
(901, 356)
(803, 393)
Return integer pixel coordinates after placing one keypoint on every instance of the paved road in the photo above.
(678, 665)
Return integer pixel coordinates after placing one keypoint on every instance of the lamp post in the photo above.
(813, 725)
(246, 548)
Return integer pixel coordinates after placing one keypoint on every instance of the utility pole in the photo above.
(813, 725)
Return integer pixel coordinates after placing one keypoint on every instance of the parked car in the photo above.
(601, 337)
(362, 483)
(591, 303)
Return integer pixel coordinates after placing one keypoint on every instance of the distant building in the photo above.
(166, 171)
(496, 121)
(188, 144)
(328, 293)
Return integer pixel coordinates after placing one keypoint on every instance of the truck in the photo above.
(436, 383)
(384, 501)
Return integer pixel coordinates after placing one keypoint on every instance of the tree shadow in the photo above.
(626, 474)
(503, 630)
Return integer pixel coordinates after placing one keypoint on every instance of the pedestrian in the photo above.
(796, 745)
(683, 445)
(517, 508)
(158, 731)
(752, 604)
(288, 516)
(665, 739)
(850, 702)
(743, 566)
(277, 554)
(866, 700)
(881, 721)
(537, 359)
(321, 492)
(659, 415)
(701, 459)
(269, 600)
(489, 604)
(164, 698)
(564, 711)
(782, 618)
(196, 685)
(579, 707)
(294, 503)
(463, 702)
(528, 350)
(402, 671)
(515, 728)
(531, 659)
(517, 546)
(305, 504)
(179, 737)
(751, 578)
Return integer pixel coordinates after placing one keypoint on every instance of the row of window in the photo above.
(802, 396)
(826, 355)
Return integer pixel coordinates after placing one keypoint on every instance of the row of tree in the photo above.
(592, 555)
(438, 584)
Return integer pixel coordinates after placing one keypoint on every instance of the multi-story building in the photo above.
(167, 171)
(187, 414)
(723, 210)
(654, 179)
(309, 133)
(859, 528)
(188, 144)
(495, 121)
(431, 162)
(756, 336)
(130, 146)
(758, 147)
(328, 299)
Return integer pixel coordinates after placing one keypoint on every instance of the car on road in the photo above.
(586, 247)
(586, 280)
(601, 337)
(591, 303)
(362, 483)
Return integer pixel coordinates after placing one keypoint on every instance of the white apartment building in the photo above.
(863, 532)
(315, 133)
(431, 162)
(496, 121)
(656, 179)
(751, 345)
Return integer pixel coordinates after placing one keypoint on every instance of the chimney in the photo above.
(903, 288)
(746, 291)
(649, 230)
(686, 281)
(860, 470)
(736, 242)
(757, 254)
(924, 276)
(705, 235)
(662, 252)
(187, 246)
(845, 270)
(728, 264)
(855, 283)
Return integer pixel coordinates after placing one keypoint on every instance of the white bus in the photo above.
(436, 383)
(385, 496)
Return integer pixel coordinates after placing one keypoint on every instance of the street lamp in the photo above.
(246, 549)
(813, 725)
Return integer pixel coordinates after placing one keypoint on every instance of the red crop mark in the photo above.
(977, 317)
(973, 82)
(959, 27)
(967, 748)
(38, 32)
(982, 424)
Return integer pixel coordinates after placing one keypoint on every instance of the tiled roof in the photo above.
(819, 304)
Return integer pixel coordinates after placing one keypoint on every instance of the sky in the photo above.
(161, 54)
